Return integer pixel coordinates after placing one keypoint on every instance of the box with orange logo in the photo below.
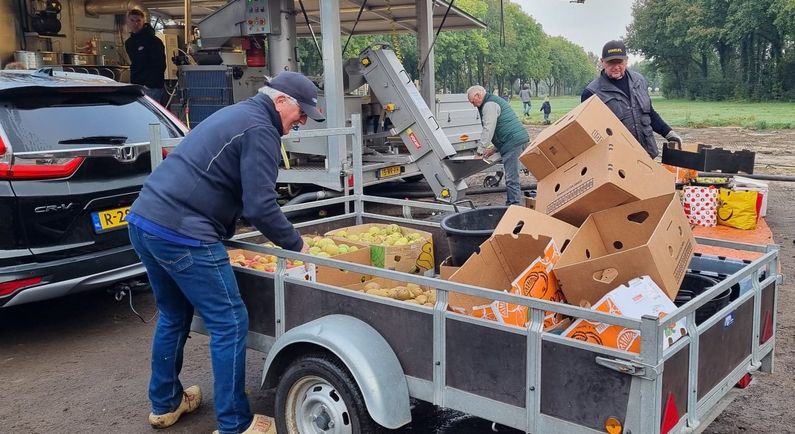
(536, 281)
(640, 297)
(521, 237)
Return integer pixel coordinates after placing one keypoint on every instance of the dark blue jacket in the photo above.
(224, 168)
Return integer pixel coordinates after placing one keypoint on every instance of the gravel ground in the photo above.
(80, 364)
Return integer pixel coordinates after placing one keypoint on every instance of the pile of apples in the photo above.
(410, 293)
(326, 247)
(390, 235)
(266, 263)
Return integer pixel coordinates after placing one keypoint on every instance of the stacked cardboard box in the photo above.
(588, 161)
(610, 209)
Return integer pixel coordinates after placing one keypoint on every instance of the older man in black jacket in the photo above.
(147, 55)
(626, 93)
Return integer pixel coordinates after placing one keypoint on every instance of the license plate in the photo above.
(110, 219)
(386, 172)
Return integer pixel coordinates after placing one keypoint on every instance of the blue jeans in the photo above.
(184, 278)
(527, 105)
(510, 161)
(546, 117)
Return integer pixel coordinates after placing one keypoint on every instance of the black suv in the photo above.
(74, 152)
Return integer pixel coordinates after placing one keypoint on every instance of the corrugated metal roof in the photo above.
(378, 16)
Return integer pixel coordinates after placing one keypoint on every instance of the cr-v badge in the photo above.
(51, 208)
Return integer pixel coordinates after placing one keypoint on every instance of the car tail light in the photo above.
(9, 287)
(35, 168)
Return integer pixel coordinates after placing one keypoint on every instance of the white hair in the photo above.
(475, 90)
(273, 93)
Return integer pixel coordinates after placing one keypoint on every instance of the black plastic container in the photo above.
(467, 230)
(693, 285)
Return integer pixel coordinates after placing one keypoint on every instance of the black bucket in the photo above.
(467, 230)
(693, 285)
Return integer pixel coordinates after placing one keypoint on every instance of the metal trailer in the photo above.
(324, 342)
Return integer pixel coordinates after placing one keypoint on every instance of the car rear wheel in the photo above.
(318, 395)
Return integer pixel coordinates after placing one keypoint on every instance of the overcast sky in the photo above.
(589, 24)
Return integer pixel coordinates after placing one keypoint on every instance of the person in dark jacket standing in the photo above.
(147, 55)
(546, 107)
(626, 93)
(223, 169)
(503, 133)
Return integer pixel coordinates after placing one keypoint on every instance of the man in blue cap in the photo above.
(626, 93)
(225, 168)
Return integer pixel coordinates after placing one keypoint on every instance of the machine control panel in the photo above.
(258, 17)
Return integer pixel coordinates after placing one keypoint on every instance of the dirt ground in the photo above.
(81, 363)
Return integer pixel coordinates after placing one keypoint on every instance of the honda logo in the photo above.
(127, 154)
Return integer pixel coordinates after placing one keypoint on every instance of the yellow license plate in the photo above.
(386, 172)
(110, 219)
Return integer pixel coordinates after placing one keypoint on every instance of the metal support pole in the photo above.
(424, 40)
(333, 87)
(155, 146)
(358, 176)
(281, 44)
(188, 23)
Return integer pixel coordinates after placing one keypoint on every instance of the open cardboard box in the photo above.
(411, 258)
(606, 175)
(520, 238)
(589, 124)
(340, 277)
(638, 298)
(305, 271)
(648, 237)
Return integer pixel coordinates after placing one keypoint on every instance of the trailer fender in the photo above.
(366, 354)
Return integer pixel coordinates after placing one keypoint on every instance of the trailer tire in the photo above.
(316, 390)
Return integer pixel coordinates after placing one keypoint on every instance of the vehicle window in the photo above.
(35, 124)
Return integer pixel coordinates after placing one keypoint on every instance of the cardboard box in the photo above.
(648, 237)
(446, 270)
(537, 281)
(640, 297)
(305, 271)
(340, 277)
(589, 124)
(520, 237)
(411, 258)
(522, 220)
(606, 175)
(501, 258)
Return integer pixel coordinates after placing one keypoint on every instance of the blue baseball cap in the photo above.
(301, 88)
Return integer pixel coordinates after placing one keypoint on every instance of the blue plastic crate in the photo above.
(207, 96)
(206, 79)
(199, 113)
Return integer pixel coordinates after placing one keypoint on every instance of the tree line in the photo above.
(512, 50)
(717, 49)
(697, 49)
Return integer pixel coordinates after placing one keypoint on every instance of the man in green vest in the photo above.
(503, 133)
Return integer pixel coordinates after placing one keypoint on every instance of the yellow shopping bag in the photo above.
(737, 209)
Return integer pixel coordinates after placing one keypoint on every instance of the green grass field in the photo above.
(692, 114)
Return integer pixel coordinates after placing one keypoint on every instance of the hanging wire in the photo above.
(312, 31)
(439, 30)
(359, 15)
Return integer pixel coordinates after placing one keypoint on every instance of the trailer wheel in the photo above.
(317, 394)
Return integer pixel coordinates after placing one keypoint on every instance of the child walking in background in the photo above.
(547, 109)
